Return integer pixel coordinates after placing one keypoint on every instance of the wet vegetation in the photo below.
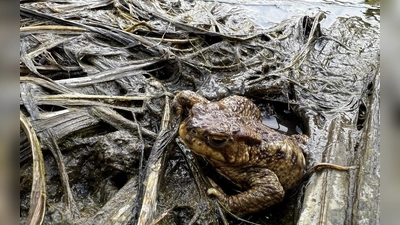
(98, 142)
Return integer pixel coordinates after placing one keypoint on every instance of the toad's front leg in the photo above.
(265, 190)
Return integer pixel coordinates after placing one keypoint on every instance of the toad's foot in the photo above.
(265, 191)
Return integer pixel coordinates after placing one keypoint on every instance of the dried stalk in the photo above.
(38, 194)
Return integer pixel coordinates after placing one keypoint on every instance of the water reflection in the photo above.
(268, 13)
(373, 2)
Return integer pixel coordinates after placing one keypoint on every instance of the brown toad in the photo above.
(230, 134)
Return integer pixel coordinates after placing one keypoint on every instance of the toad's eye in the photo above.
(217, 142)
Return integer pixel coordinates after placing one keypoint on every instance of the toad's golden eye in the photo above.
(217, 142)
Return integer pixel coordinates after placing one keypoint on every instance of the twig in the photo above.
(50, 27)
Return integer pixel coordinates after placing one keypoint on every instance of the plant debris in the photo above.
(97, 79)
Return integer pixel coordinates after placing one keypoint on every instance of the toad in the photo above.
(229, 133)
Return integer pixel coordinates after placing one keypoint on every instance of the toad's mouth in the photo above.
(189, 135)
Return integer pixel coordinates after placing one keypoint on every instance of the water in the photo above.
(268, 13)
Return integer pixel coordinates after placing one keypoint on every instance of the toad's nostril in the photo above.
(191, 131)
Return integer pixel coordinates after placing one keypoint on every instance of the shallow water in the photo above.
(268, 13)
